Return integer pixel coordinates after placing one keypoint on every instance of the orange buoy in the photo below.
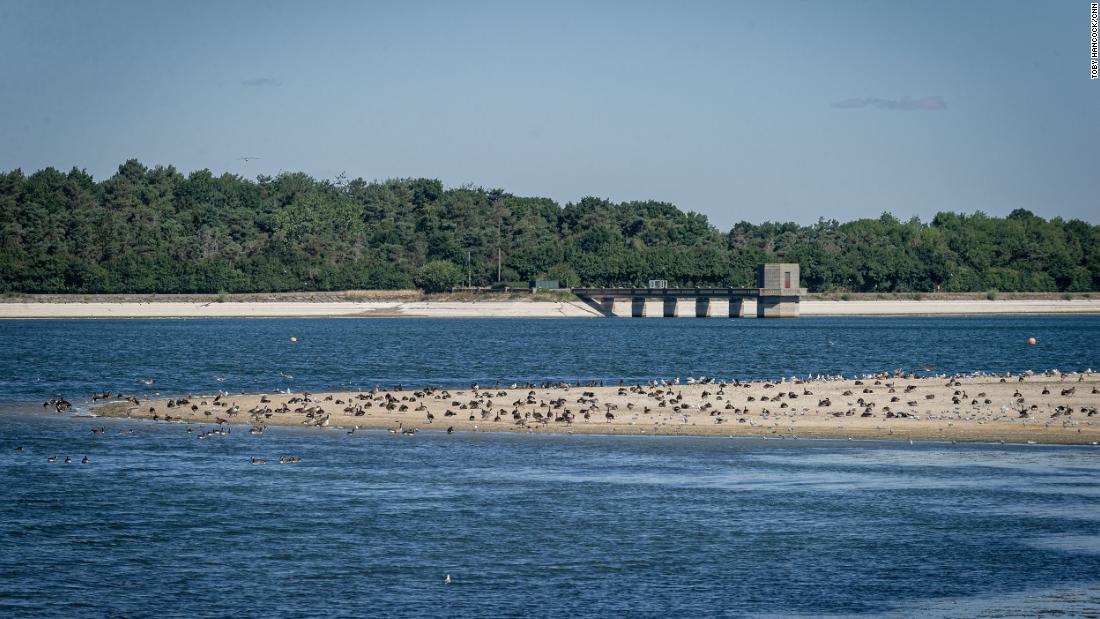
(1030, 341)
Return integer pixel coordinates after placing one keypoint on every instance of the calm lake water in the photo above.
(75, 357)
(162, 524)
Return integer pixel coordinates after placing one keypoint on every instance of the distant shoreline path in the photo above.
(507, 308)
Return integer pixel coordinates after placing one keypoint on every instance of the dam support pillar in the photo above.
(685, 307)
(777, 307)
(669, 308)
(737, 308)
(620, 307)
(702, 307)
(654, 308)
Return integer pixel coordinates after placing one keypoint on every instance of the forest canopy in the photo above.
(147, 230)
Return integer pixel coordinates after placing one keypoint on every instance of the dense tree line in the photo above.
(157, 230)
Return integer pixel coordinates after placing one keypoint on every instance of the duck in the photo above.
(447, 579)
(51, 459)
(84, 460)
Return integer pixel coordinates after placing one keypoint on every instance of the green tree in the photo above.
(153, 229)
(438, 276)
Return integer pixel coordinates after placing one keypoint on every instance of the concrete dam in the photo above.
(777, 296)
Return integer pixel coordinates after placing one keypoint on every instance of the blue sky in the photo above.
(760, 111)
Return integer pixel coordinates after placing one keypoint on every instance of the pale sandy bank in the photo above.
(509, 308)
(1044, 409)
(286, 309)
(949, 307)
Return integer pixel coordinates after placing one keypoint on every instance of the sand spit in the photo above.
(507, 308)
(1057, 409)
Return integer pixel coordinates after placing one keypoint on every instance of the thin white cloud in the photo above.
(260, 82)
(928, 104)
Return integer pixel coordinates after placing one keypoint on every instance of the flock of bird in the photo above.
(775, 405)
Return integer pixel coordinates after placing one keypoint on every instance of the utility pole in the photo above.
(498, 249)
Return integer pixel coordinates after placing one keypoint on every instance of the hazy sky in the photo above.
(739, 110)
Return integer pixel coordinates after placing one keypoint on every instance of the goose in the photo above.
(255, 460)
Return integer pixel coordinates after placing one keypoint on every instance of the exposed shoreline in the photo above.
(507, 308)
(919, 409)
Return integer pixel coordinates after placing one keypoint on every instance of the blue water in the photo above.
(76, 357)
(161, 524)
